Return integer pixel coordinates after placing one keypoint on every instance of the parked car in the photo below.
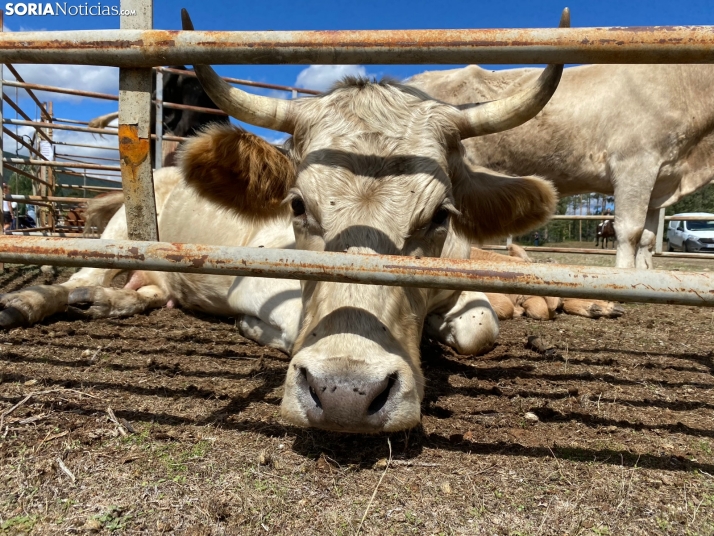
(695, 236)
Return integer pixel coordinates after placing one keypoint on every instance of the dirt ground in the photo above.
(611, 432)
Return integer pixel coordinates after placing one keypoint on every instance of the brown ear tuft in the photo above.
(494, 205)
(237, 170)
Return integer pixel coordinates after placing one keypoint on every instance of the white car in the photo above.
(696, 236)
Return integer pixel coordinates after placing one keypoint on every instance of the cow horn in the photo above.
(509, 112)
(266, 112)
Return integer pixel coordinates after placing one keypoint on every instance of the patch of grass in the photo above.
(113, 519)
(18, 524)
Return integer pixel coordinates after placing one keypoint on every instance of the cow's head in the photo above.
(371, 168)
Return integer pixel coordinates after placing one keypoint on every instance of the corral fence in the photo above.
(658, 246)
(48, 156)
(135, 48)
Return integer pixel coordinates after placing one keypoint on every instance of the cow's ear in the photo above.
(237, 170)
(494, 205)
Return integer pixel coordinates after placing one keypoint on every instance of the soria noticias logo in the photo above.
(62, 8)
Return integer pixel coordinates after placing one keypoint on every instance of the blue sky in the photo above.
(334, 15)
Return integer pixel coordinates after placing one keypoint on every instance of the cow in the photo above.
(177, 89)
(644, 133)
(371, 168)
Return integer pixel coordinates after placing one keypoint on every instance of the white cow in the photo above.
(644, 133)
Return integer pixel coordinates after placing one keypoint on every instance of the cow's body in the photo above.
(644, 133)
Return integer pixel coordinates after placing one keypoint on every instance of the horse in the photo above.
(605, 231)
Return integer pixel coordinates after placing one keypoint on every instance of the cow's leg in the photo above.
(646, 245)
(592, 308)
(632, 196)
(33, 304)
(103, 302)
(467, 323)
(269, 310)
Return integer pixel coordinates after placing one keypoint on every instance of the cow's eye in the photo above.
(440, 216)
(298, 206)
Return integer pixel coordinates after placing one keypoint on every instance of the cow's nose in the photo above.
(351, 403)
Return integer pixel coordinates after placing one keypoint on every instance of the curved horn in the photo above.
(509, 112)
(266, 112)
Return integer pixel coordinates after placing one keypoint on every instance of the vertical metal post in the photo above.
(135, 133)
(49, 173)
(159, 122)
(509, 240)
(294, 95)
(660, 232)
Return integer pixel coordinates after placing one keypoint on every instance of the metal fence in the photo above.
(85, 166)
(659, 238)
(135, 48)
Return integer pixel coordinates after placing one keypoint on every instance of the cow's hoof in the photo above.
(12, 318)
(88, 302)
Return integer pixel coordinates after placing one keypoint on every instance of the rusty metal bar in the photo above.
(23, 114)
(688, 218)
(32, 199)
(22, 142)
(620, 284)
(60, 234)
(90, 130)
(50, 163)
(24, 173)
(135, 132)
(68, 144)
(136, 48)
(201, 109)
(73, 157)
(249, 83)
(545, 249)
(92, 188)
(66, 91)
(588, 251)
(29, 91)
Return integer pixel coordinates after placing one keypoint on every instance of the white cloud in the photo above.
(322, 77)
(84, 77)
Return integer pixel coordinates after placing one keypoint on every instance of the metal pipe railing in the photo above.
(33, 199)
(135, 48)
(248, 83)
(90, 130)
(619, 284)
(54, 163)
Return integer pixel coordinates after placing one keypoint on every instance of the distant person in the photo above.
(7, 212)
(30, 217)
(15, 214)
(536, 238)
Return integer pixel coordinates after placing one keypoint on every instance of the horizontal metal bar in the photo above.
(249, 83)
(30, 199)
(545, 249)
(26, 174)
(109, 131)
(600, 217)
(93, 188)
(202, 109)
(74, 157)
(54, 163)
(66, 91)
(149, 48)
(34, 229)
(48, 234)
(630, 285)
(688, 218)
(88, 146)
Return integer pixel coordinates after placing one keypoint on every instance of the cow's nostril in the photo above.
(316, 398)
(381, 399)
